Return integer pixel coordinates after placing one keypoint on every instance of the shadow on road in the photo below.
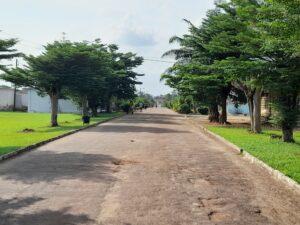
(9, 215)
(47, 166)
(153, 115)
(135, 120)
(133, 129)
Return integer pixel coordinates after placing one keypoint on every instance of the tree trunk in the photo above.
(94, 111)
(213, 113)
(253, 96)
(194, 106)
(108, 108)
(84, 106)
(250, 105)
(288, 135)
(54, 108)
(254, 103)
(290, 111)
(257, 111)
(223, 116)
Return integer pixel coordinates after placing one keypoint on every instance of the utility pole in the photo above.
(15, 90)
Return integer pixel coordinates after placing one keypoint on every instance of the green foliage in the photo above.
(180, 104)
(83, 71)
(242, 48)
(125, 105)
(49, 72)
(280, 22)
(184, 108)
(122, 84)
(7, 52)
(144, 99)
(203, 110)
(192, 74)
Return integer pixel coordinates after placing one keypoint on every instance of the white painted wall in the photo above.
(37, 103)
(7, 99)
(24, 98)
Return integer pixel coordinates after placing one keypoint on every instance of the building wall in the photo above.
(41, 104)
(7, 99)
(24, 100)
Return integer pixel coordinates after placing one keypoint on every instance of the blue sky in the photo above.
(140, 26)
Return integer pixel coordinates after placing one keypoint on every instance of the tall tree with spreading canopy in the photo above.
(90, 74)
(246, 68)
(193, 72)
(80, 70)
(280, 25)
(48, 73)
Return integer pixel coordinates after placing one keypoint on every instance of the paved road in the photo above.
(151, 168)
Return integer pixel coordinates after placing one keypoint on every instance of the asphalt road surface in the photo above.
(151, 168)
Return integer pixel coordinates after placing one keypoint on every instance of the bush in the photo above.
(125, 106)
(184, 108)
(203, 110)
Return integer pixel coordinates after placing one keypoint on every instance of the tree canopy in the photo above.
(90, 73)
(7, 51)
(242, 48)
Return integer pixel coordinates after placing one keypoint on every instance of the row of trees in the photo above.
(89, 73)
(242, 49)
(142, 99)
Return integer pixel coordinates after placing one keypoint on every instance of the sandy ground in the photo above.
(150, 168)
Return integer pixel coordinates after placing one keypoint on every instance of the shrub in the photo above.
(203, 110)
(125, 106)
(184, 108)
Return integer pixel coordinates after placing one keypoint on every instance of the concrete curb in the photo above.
(36, 145)
(273, 172)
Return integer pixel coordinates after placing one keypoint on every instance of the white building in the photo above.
(41, 104)
(9, 98)
(29, 100)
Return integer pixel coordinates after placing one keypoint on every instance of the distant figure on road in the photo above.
(156, 105)
(131, 110)
(141, 105)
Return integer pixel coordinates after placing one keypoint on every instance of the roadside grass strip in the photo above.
(284, 157)
(18, 130)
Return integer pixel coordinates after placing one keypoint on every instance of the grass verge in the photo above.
(281, 156)
(19, 130)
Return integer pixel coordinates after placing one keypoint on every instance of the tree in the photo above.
(267, 39)
(47, 73)
(144, 98)
(193, 74)
(92, 68)
(7, 52)
(280, 25)
(247, 45)
(122, 83)
(80, 70)
(245, 68)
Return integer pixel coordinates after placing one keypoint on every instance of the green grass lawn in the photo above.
(13, 123)
(284, 157)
